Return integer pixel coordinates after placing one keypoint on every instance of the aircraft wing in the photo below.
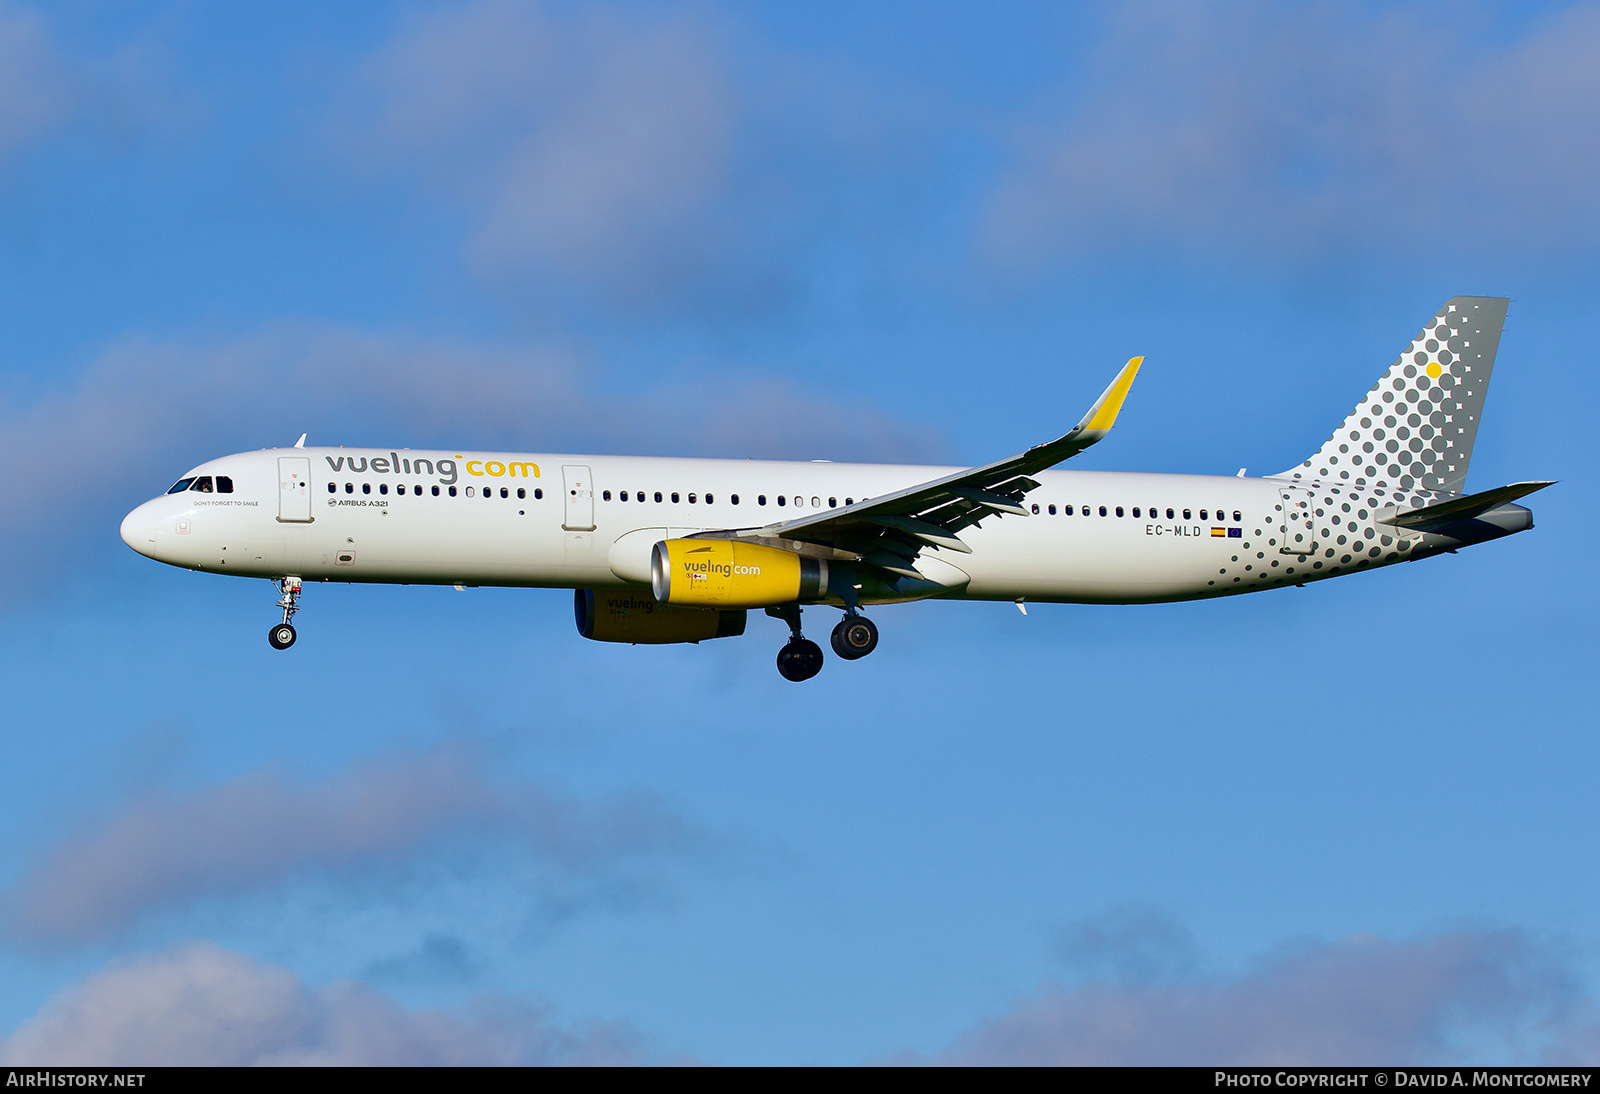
(889, 531)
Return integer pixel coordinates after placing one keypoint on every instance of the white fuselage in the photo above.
(417, 517)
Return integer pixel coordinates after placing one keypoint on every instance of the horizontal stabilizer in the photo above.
(1464, 508)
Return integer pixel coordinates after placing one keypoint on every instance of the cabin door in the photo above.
(579, 498)
(294, 489)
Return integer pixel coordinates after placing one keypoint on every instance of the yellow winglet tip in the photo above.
(1106, 410)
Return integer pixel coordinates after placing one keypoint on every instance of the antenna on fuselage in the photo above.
(301, 443)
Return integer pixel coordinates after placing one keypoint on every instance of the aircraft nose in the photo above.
(139, 530)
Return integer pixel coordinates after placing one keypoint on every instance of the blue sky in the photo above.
(1350, 823)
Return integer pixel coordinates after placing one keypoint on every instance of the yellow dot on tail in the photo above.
(1434, 370)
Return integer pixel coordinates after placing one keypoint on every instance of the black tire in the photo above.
(281, 636)
(800, 659)
(854, 637)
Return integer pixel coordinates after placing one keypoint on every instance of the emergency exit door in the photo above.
(294, 489)
(580, 499)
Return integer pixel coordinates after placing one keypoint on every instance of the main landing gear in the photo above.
(854, 637)
(801, 659)
(282, 635)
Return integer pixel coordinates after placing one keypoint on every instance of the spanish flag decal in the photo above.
(1218, 533)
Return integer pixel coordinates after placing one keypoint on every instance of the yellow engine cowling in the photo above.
(631, 617)
(726, 573)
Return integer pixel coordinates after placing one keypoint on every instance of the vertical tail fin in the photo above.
(1416, 426)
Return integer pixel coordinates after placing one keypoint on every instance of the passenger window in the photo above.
(470, 493)
(1186, 515)
(1052, 510)
(400, 488)
(1237, 518)
(1169, 514)
(1102, 510)
(849, 501)
(799, 503)
(816, 503)
(708, 499)
(202, 484)
(734, 499)
(332, 489)
(224, 484)
(833, 503)
(522, 492)
(605, 494)
(452, 491)
(1067, 509)
(180, 486)
(761, 499)
(658, 495)
(674, 497)
(383, 488)
(349, 488)
(1119, 510)
(1136, 511)
(1035, 508)
(435, 491)
(782, 500)
(691, 499)
(538, 494)
(504, 493)
(366, 488)
(1203, 515)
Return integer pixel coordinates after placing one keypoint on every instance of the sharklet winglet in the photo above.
(1103, 415)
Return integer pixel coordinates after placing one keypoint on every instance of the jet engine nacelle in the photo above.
(632, 617)
(726, 573)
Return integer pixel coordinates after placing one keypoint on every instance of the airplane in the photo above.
(661, 550)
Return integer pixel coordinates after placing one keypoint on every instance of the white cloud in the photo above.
(643, 164)
(591, 147)
(35, 85)
(45, 89)
(1132, 944)
(258, 830)
(1470, 996)
(1295, 132)
(203, 1005)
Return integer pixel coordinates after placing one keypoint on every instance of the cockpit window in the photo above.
(202, 484)
(224, 484)
(180, 486)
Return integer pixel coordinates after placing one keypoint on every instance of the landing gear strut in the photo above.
(800, 659)
(282, 635)
(854, 637)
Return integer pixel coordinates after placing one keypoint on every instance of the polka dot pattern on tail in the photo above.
(1420, 420)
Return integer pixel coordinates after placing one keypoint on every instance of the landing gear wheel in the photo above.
(854, 637)
(800, 659)
(281, 636)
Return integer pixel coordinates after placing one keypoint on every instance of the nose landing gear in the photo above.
(800, 659)
(282, 635)
(854, 637)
